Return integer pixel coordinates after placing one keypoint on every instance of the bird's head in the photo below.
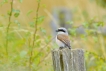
(62, 30)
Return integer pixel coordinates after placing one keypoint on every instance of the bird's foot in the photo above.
(69, 47)
(61, 48)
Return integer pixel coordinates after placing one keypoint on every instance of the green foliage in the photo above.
(95, 39)
(43, 30)
(17, 22)
(31, 24)
(29, 12)
(16, 12)
(38, 0)
(23, 54)
(20, 1)
(3, 2)
(101, 3)
(70, 22)
(72, 31)
(94, 62)
(85, 24)
(40, 19)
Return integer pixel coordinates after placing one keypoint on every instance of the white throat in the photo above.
(62, 33)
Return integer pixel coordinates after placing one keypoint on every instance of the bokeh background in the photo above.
(85, 20)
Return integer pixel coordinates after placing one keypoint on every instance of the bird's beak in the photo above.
(56, 30)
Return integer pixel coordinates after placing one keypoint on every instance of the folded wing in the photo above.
(64, 38)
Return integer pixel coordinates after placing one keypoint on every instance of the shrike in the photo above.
(62, 38)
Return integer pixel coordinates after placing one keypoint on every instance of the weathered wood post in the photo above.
(68, 60)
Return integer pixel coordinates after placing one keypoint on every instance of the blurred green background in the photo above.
(91, 14)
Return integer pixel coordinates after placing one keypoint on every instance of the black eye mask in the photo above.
(60, 30)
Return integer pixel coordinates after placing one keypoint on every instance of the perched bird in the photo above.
(62, 38)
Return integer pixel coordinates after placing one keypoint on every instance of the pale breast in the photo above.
(59, 43)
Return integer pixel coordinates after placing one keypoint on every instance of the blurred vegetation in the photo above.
(101, 2)
(25, 39)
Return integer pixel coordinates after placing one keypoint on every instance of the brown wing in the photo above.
(64, 38)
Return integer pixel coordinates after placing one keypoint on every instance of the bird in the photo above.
(62, 38)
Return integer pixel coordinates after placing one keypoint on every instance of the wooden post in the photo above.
(68, 60)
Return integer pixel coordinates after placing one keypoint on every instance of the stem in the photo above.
(34, 35)
(8, 26)
(43, 48)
